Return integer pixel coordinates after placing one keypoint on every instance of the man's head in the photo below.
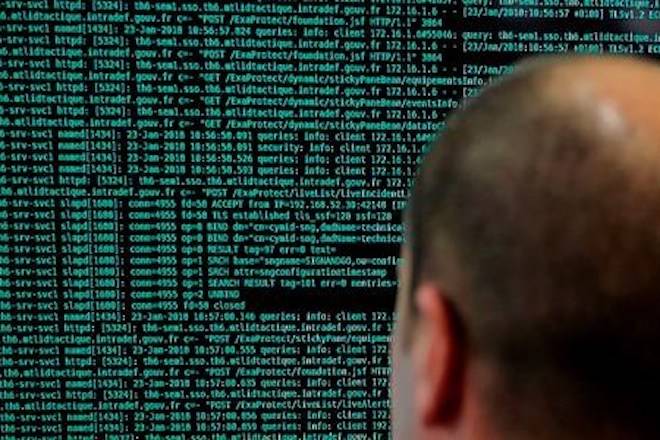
(529, 294)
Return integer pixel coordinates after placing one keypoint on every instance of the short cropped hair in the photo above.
(547, 244)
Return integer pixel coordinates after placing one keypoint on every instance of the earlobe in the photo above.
(436, 356)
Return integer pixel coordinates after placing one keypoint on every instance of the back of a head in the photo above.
(539, 208)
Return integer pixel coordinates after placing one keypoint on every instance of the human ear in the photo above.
(437, 357)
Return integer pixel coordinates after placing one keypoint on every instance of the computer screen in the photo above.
(200, 202)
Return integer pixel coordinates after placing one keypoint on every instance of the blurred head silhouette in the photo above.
(529, 283)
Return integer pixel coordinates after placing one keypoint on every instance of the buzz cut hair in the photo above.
(547, 244)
